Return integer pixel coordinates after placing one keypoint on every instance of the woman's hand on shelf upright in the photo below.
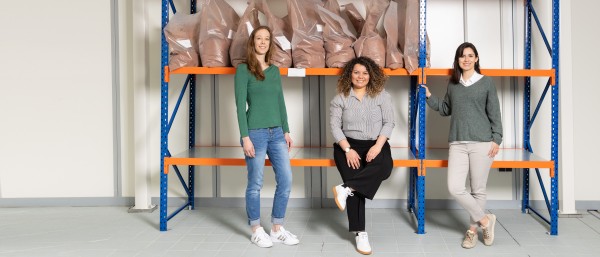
(427, 93)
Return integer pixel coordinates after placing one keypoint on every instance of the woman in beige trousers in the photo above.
(475, 133)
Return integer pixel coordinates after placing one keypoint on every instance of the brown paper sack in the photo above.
(393, 55)
(282, 33)
(182, 35)
(370, 43)
(248, 22)
(307, 38)
(354, 16)
(408, 36)
(218, 20)
(338, 39)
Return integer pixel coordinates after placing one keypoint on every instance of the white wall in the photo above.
(56, 101)
(585, 94)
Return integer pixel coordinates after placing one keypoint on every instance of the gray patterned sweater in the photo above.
(474, 110)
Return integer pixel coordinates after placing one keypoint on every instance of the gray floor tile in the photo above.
(333, 247)
(235, 253)
(310, 247)
(257, 251)
(208, 246)
(384, 247)
(282, 249)
(309, 254)
(111, 231)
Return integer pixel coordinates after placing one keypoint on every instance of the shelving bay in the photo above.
(416, 157)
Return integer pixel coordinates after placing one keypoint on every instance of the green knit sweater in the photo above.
(266, 106)
(474, 110)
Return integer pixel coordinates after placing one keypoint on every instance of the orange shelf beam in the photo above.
(283, 71)
(397, 72)
(500, 164)
(501, 73)
(324, 162)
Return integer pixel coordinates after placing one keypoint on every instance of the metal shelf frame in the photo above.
(417, 101)
(417, 115)
(528, 120)
(165, 123)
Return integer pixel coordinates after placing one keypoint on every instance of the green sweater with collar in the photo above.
(474, 110)
(266, 105)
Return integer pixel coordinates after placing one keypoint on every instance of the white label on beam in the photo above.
(296, 72)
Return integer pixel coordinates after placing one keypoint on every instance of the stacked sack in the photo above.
(314, 34)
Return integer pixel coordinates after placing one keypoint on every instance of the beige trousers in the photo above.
(470, 159)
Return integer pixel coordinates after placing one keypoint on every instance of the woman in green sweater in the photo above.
(263, 123)
(475, 134)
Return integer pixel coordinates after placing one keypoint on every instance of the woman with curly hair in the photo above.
(362, 119)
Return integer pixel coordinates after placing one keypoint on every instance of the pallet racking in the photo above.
(416, 157)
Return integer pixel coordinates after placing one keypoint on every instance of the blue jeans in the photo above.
(268, 141)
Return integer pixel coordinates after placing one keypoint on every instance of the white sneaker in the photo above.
(260, 238)
(340, 194)
(284, 236)
(362, 243)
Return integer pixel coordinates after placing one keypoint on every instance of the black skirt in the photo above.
(368, 177)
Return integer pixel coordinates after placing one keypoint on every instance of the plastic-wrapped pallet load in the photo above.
(218, 20)
(248, 21)
(393, 55)
(370, 43)
(182, 34)
(337, 38)
(408, 28)
(282, 57)
(307, 39)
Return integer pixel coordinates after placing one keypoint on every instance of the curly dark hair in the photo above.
(253, 64)
(377, 78)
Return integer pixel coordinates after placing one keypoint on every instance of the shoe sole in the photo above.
(468, 247)
(262, 246)
(365, 253)
(283, 242)
(336, 199)
(491, 231)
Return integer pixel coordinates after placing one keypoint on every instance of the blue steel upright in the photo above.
(526, 106)
(421, 113)
(412, 117)
(527, 120)
(165, 124)
(164, 104)
(192, 126)
(555, 108)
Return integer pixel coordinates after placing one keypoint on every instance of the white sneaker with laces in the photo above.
(362, 243)
(284, 236)
(340, 194)
(261, 238)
